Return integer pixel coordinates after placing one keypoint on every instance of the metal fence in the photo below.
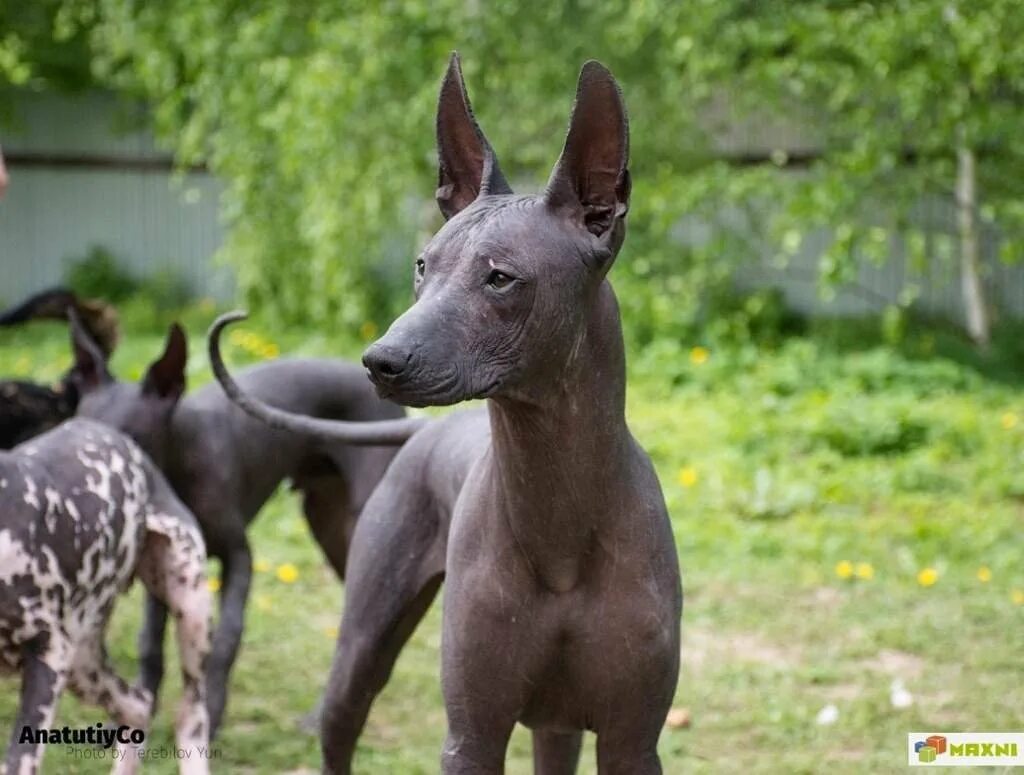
(84, 175)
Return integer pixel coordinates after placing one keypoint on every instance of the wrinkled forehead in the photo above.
(512, 228)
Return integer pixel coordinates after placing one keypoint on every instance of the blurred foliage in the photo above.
(319, 117)
(100, 274)
(44, 44)
(891, 91)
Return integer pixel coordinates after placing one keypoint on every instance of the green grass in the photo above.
(778, 466)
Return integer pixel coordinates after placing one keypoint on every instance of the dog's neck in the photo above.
(558, 459)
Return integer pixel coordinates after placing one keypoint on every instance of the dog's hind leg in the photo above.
(236, 562)
(396, 564)
(556, 753)
(43, 675)
(172, 568)
(325, 502)
(151, 645)
(94, 681)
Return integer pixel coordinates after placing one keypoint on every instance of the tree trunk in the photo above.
(975, 308)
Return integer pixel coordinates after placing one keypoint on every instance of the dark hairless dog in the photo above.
(562, 596)
(225, 466)
(396, 558)
(28, 409)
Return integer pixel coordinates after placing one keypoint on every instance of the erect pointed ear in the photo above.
(591, 179)
(166, 375)
(467, 166)
(89, 370)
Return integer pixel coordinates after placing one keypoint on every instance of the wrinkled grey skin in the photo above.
(562, 597)
(225, 465)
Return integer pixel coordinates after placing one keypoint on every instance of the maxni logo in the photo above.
(932, 747)
(94, 735)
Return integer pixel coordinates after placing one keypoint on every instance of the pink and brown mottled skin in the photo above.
(83, 512)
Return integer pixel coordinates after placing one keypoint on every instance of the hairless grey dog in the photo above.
(562, 596)
(225, 466)
(396, 556)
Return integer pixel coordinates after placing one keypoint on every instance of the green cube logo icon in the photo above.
(926, 753)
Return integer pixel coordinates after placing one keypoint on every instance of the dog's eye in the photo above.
(420, 266)
(500, 280)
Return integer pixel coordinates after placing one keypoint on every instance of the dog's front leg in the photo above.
(396, 566)
(43, 676)
(627, 758)
(481, 715)
(471, 753)
(556, 753)
(237, 570)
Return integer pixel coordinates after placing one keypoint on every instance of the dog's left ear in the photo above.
(591, 181)
(467, 166)
(166, 375)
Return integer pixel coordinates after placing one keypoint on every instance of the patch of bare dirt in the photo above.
(703, 647)
(898, 664)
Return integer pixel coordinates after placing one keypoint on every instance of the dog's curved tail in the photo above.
(98, 318)
(369, 433)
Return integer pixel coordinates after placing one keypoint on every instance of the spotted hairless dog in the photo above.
(225, 466)
(562, 598)
(82, 513)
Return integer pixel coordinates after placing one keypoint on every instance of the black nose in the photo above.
(385, 363)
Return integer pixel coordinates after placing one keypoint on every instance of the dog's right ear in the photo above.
(89, 370)
(166, 375)
(467, 166)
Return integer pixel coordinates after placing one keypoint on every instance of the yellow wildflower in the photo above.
(1009, 420)
(688, 476)
(287, 573)
(331, 632)
(699, 355)
(927, 576)
(864, 570)
(213, 583)
(261, 566)
(1017, 596)
(984, 574)
(368, 330)
(844, 569)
